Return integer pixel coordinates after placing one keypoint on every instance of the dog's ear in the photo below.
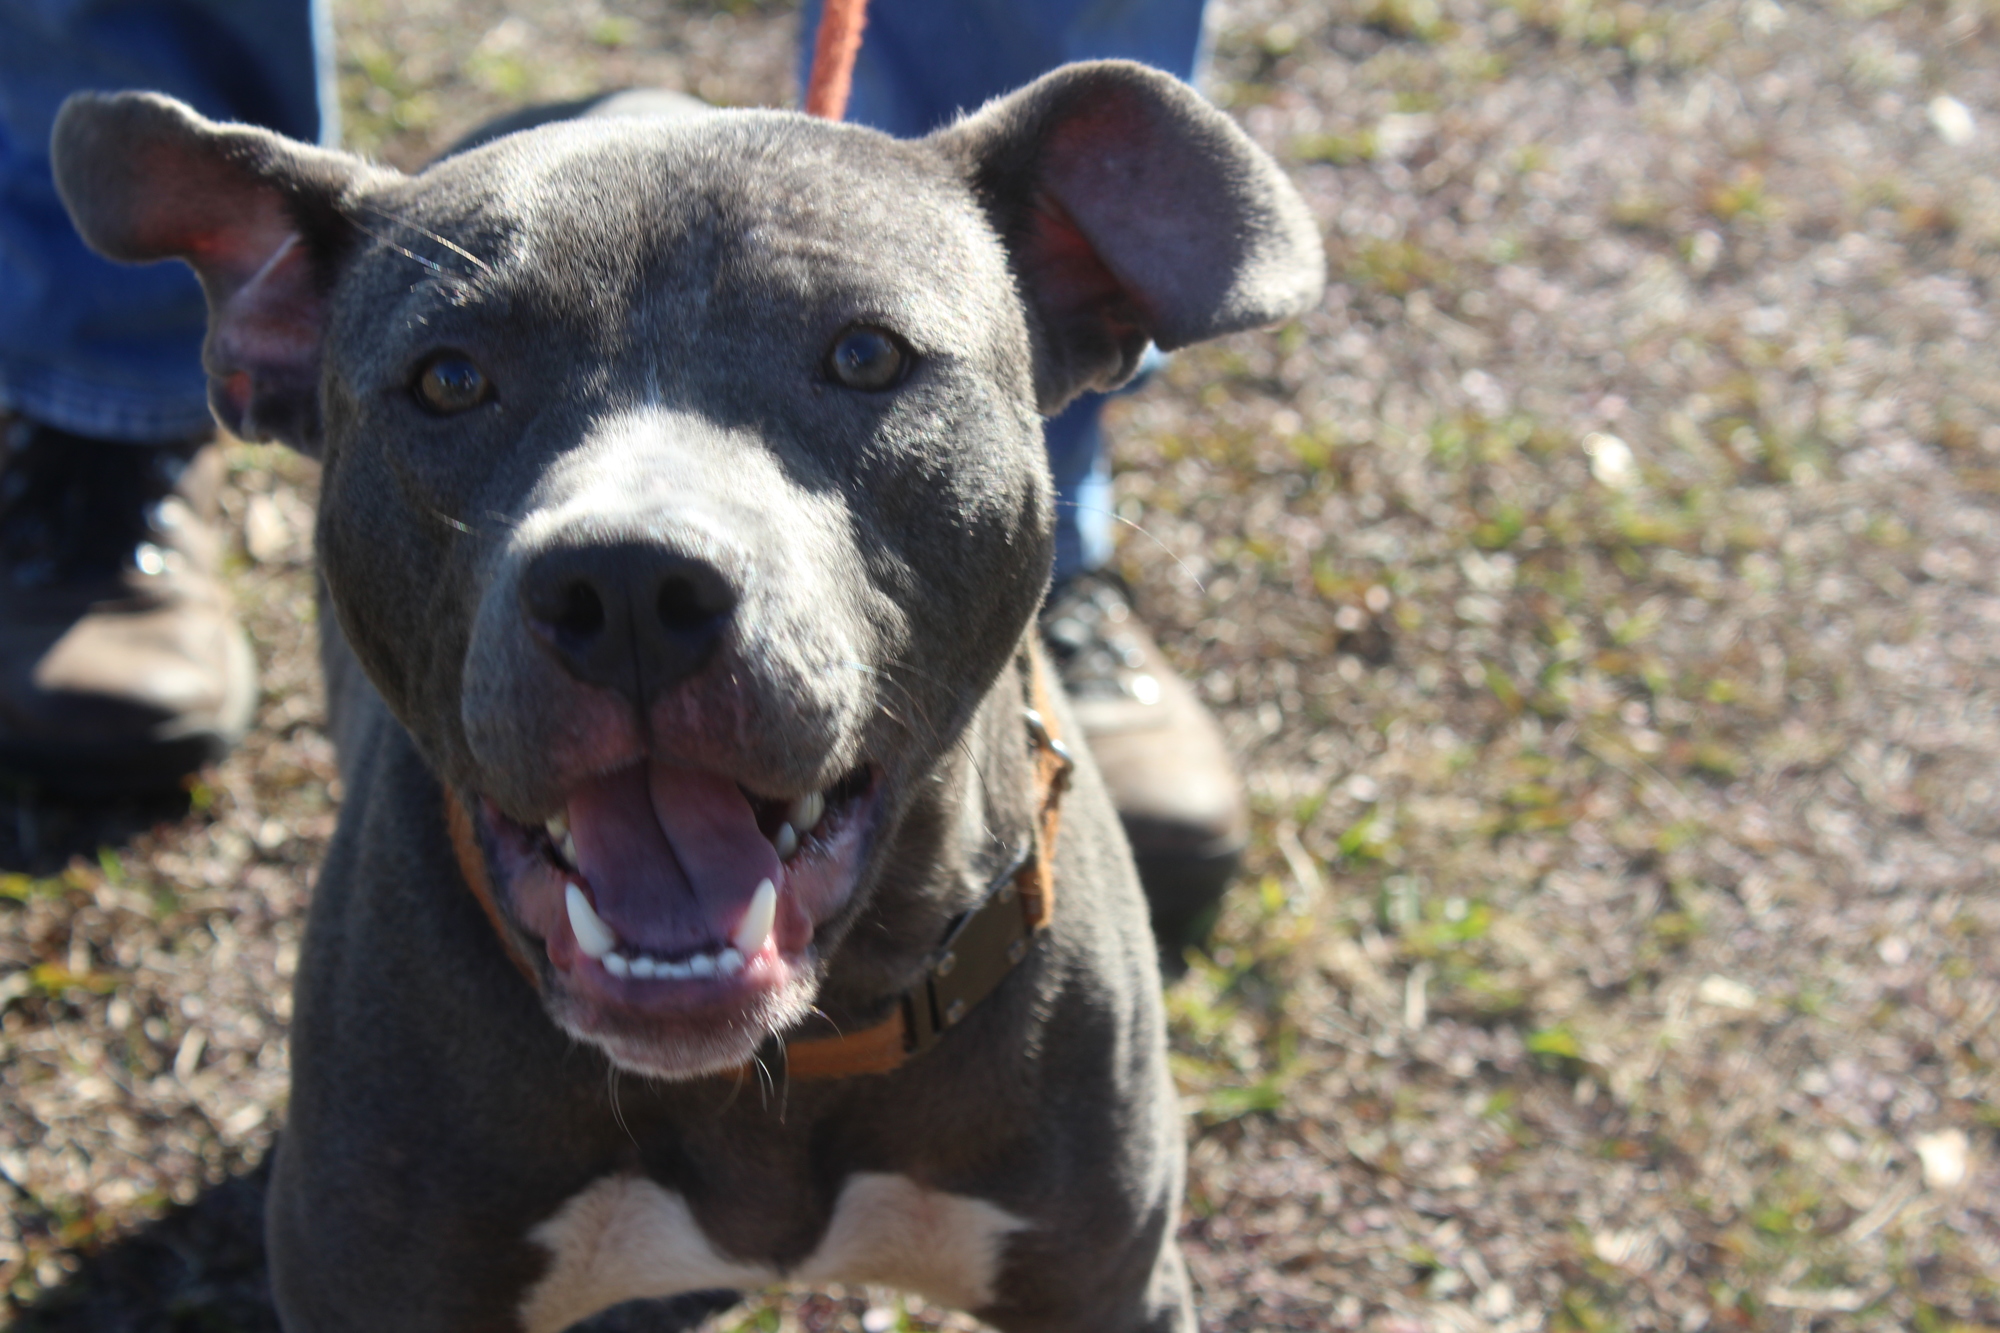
(1134, 211)
(257, 216)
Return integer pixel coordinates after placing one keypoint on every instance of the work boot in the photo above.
(1161, 754)
(122, 667)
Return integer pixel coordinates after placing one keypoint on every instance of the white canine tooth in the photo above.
(701, 965)
(786, 842)
(592, 935)
(757, 921)
(615, 964)
(558, 826)
(805, 812)
(729, 962)
(644, 967)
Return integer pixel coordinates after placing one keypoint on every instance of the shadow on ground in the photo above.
(200, 1269)
(39, 834)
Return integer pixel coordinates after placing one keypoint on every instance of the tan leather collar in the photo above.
(982, 946)
(979, 949)
(472, 867)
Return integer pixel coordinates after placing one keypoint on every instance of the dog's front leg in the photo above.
(336, 1266)
(1147, 1291)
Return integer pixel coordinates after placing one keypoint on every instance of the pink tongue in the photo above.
(672, 855)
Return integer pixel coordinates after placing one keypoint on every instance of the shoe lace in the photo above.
(74, 509)
(1083, 627)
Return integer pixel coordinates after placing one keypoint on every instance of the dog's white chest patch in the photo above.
(625, 1238)
(891, 1230)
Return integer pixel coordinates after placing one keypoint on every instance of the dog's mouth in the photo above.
(671, 899)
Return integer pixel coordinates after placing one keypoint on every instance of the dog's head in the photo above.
(684, 488)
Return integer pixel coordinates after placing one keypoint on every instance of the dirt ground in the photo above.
(1602, 589)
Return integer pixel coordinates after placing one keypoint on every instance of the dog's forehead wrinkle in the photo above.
(413, 231)
(465, 226)
(442, 305)
(743, 202)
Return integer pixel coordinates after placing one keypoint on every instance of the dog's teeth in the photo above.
(804, 813)
(675, 971)
(557, 827)
(645, 968)
(729, 962)
(701, 965)
(615, 964)
(756, 927)
(786, 842)
(592, 935)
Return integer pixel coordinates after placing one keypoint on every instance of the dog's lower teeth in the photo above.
(786, 842)
(596, 940)
(758, 919)
(702, 966)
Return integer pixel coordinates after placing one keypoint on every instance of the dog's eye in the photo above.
(450, 384)
(869, 359)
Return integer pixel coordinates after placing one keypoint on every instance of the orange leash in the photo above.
(834, 49)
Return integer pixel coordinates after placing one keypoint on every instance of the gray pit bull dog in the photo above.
(683, 521)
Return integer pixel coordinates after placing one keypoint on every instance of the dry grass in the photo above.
(1600, 587)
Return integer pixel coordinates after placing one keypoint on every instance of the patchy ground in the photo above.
(1602, 589)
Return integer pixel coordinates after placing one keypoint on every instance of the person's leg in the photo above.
(922, 63)
(120, 663)
(96, 348)
(1082, 475)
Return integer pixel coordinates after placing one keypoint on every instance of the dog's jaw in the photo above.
(697, 997)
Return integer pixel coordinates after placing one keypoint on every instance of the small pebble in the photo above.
(1952, 120)
(1725, 993)
(1943, 1156)
(1611, 460)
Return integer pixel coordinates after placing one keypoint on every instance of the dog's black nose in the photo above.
(634, 616)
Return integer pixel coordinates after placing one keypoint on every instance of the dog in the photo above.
(720, 896)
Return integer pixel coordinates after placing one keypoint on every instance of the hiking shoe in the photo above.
(122, 667)
(1160, 751)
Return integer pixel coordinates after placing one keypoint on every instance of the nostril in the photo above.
(569, 610)
(682, 606)
(578, 613)
(692, 598)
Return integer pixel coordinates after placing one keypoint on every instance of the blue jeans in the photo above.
(86, 345)
(923, 62)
